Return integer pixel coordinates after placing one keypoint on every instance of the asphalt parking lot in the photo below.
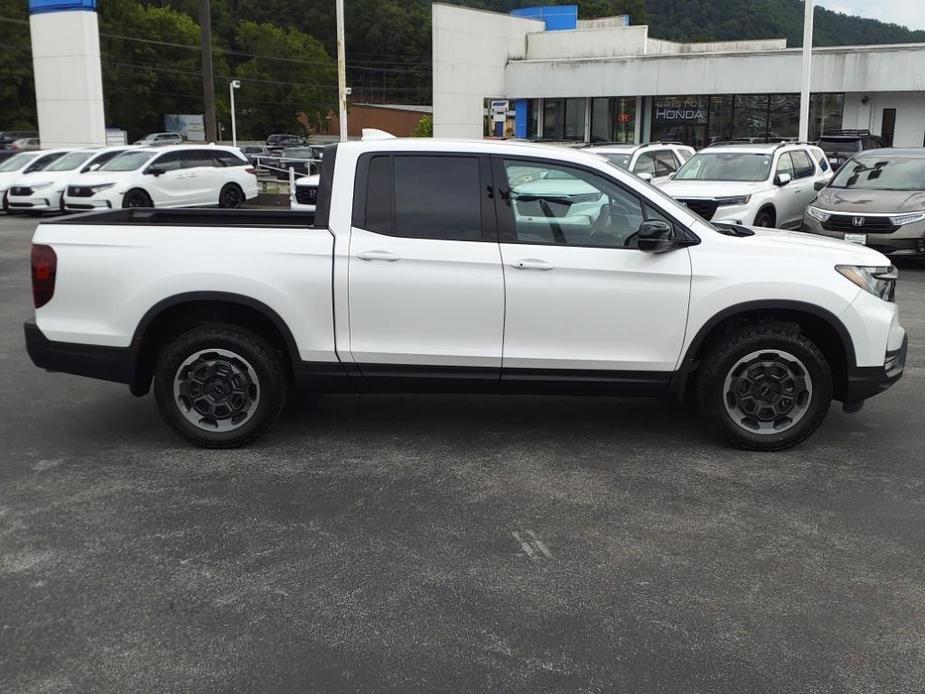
(412, 544)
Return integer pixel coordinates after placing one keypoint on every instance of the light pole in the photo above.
(234, 84)
(341, 71)
(807, 70)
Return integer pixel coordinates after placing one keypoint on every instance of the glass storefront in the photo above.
(613, 120)
(701, 120)
(564, 119)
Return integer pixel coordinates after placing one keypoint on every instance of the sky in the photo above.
(910, 13)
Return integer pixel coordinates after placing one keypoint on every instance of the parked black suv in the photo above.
(279, 141)
(840, 145)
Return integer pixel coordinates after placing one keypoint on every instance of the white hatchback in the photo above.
(43, 190)
(174, 176)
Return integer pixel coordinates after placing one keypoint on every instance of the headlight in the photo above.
(818, 214)
(900, 219)
(879, 281)
(39, 186)
(733, 200)
(100, 186)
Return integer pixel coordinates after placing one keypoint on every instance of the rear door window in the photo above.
(802, 164)
(197, 158)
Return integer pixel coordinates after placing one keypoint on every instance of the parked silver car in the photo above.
(877, 199)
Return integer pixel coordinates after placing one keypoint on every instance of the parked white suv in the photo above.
(159, 139)
(43, 190)
(763, 185)
(177, 176)
(652, 161)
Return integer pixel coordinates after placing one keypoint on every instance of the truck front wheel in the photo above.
(765, 386)
(219, 386)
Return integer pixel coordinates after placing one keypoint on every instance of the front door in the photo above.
(582, 302)
(170, 188)
(425, 285)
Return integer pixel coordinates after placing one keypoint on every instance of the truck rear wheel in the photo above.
(765, 387)
(219, 386)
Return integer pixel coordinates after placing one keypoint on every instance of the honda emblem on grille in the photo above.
(857, 221)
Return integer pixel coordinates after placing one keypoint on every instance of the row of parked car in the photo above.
(874, 197)
(79, 180)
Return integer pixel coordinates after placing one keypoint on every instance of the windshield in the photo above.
(128, 161)
(872, 173)
(70, 161)
(726, 166)
(18, 161)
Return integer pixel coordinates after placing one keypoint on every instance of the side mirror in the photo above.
(647, 177)
(656, 236)
(782, 179)
(154, 171)
(819, 185)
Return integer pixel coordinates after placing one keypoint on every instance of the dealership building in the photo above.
(603, 80)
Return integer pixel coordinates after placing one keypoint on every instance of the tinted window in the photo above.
(554, 204)
(437, 197)
(103, 158)
(379, 196)
(168, 162)
(196, 158)
(802, 164)
(223, 158)
(819, 156)
(665, 163)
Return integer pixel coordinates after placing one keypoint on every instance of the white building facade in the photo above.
(604, 81)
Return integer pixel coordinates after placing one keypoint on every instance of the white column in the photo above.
(807, 70)
(68, 78)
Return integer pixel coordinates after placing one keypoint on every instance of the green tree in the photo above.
(17, 84)
(292, 74)
(424, 128)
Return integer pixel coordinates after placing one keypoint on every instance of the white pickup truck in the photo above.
(458, 267)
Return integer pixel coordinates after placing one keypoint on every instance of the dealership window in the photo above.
(613, 120)
(564, 119)
(680, 119)
(784, 116)
(825, 114)
(533, 112)
(750, 116)
(720, 125)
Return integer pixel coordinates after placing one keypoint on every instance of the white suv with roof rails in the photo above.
(763, 185)
(173, 176)
(652, 161)
(43, 190)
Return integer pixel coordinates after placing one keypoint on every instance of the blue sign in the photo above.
(557, 17)
(41, 6)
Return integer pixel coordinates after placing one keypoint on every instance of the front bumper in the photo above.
(93, 361)
(908, 240)
(81, 204)
(39, 201)
(867, 381)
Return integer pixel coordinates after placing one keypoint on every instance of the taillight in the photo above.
(251, 170)
(44, 268)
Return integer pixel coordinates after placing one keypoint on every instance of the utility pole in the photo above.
(807, 70)
(341, 72)
(208, 86)
(234, 84)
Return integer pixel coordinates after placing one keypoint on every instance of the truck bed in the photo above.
(278, 219)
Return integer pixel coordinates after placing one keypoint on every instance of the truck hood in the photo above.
(840, 252)
(711, 189)
(871, 201)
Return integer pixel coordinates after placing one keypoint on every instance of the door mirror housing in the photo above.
(819, 185)
(647, 177)
(656, 236)
(154, 171)
(782, 179)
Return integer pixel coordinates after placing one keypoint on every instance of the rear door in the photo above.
(203, 179)
(425, 285)
(582, 301)
(803, 185)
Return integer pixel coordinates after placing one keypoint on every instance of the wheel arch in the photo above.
(170, 317)
(767, 205)
(818, 324)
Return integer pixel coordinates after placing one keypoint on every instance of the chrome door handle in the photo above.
(387, 256)
(532, 264)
